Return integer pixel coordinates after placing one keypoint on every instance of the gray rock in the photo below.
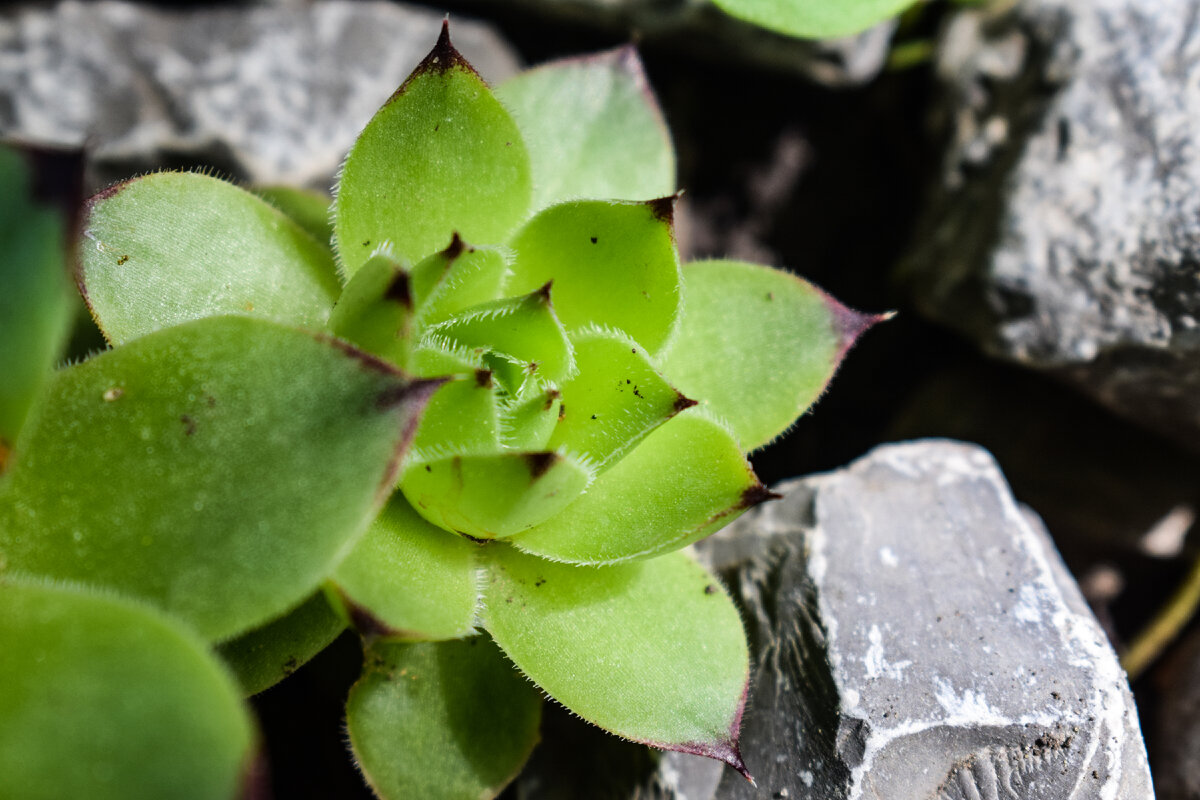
(267, 93)
(1064, 229)
(699, 27)
(917, 637)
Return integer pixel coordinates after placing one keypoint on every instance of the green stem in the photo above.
(1165, 626)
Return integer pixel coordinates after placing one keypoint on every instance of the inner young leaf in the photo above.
(613, 264)
(375, 310)
(455, 279)
(614, 400)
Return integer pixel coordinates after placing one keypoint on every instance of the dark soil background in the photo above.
(827, 183)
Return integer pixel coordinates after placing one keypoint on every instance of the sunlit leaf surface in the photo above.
(219, 469)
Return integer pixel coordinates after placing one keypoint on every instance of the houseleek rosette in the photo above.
(493, 405)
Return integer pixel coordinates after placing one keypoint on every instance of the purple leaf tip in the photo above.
(849, 324)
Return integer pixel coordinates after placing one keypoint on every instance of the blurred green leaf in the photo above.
(219, 469)
(757, 345)
(815, 19)
(441, 156)
(35, 295)
(264, 656)
(494, 496)
(176, 246)
(308, 209)
(407, 579)
(441, 721)
(109, 700)
(651, 650)
(685, 481)
(613, 264)
(593, 129)
(614, 400)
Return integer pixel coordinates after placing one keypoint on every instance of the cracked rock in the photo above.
(269, 94)
(916, 637)
(1063, 231)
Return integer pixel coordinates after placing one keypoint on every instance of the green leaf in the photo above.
(523, 331)
(219, 469)
(757, 345)
(615, 399)
(308, 209)
(374, 312)
(407, 579)
(593, 129)
(815, 19)
(528, 422)
(455, 279)
(613, 264)
(651, 650)
(264, 656)
(108, 700)
(442, 155)
(685, 481)
(441, 720)
(177, 246)
(493, 496)
(461, 419)
(35, 296)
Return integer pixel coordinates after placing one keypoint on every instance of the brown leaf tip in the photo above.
(543, 292)
(683, 403)
(483, 378)
(444, 56)
(756, 495)
(456, 248)
(540, 463)
(726, 750)
(849, 325)
(663, 209)
(399, 290)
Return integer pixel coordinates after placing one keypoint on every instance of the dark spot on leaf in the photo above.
(627, 381)
(633, 350)
(483, 378)
(539, 582)
(551, 396)
(291, 665)
(593, 416)
(636, 393)
(211, 401)
(435, 127)
(189, 425)
(366, 243)
(399, 291)
(593, 240)
(755, 495)
(562, 411)
(121, 261)
(428, 468)
(540, 463)
(508, 599)
(710, 589)
(770, 296)
(683, 403)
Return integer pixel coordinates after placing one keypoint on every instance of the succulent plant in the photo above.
(470, 412)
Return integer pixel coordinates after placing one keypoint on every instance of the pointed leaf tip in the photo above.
(663, 208)
(756, 495)
(849, 324)
(456, 248)
(444, 56)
